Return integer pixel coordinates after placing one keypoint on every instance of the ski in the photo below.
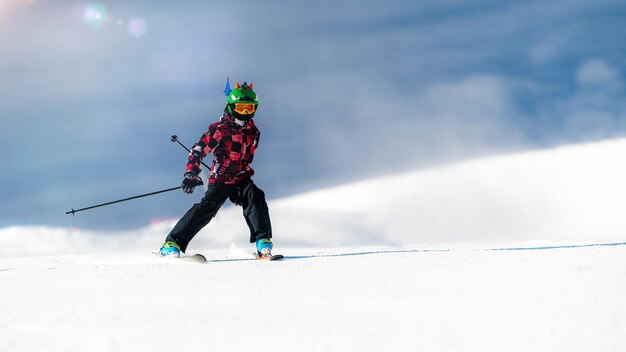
(201, 259)
(270, 257)
(194, 258)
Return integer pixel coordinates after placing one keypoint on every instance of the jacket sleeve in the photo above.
(207, 144)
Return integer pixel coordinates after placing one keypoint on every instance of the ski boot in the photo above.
(170, 248)
(264, 248)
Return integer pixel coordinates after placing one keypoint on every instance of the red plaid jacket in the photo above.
(233, 149)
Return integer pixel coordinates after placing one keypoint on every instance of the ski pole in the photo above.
(174, 138)
(122, 200)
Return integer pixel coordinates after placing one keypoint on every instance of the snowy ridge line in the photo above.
(557, 247)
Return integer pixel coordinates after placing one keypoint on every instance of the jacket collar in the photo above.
(235, 122)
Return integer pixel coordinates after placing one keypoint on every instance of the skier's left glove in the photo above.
(190, 182)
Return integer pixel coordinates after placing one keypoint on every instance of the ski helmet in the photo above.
(242, 102)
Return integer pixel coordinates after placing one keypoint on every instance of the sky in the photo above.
(90, 92)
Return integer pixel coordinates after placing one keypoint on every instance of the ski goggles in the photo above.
(244, 109)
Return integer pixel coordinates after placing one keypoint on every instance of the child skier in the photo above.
(233, 141)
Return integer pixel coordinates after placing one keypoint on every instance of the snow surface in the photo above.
(522, 252)
(366, 299)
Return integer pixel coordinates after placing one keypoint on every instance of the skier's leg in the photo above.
(199, 215)
(255, 211)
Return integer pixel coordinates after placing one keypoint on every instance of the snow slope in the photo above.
(569, 193)
(365, 299)
(522, 252)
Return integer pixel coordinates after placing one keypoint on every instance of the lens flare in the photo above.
(137, 27)
(95, 15)
(9, 7)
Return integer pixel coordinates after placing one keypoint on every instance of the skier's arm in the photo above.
(205, 145)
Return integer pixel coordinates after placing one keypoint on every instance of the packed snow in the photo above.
(520, 252)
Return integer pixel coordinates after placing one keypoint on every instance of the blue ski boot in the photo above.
(264, 248)
(170, 248)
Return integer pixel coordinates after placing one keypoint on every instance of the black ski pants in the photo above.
(244, 193)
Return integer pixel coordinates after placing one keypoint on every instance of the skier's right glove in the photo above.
(190, 182)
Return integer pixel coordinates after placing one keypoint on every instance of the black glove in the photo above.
(190, 182)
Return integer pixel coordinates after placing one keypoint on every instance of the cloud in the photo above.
(382, 128)
(599, 74)
(550, 47)
(594, 109)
